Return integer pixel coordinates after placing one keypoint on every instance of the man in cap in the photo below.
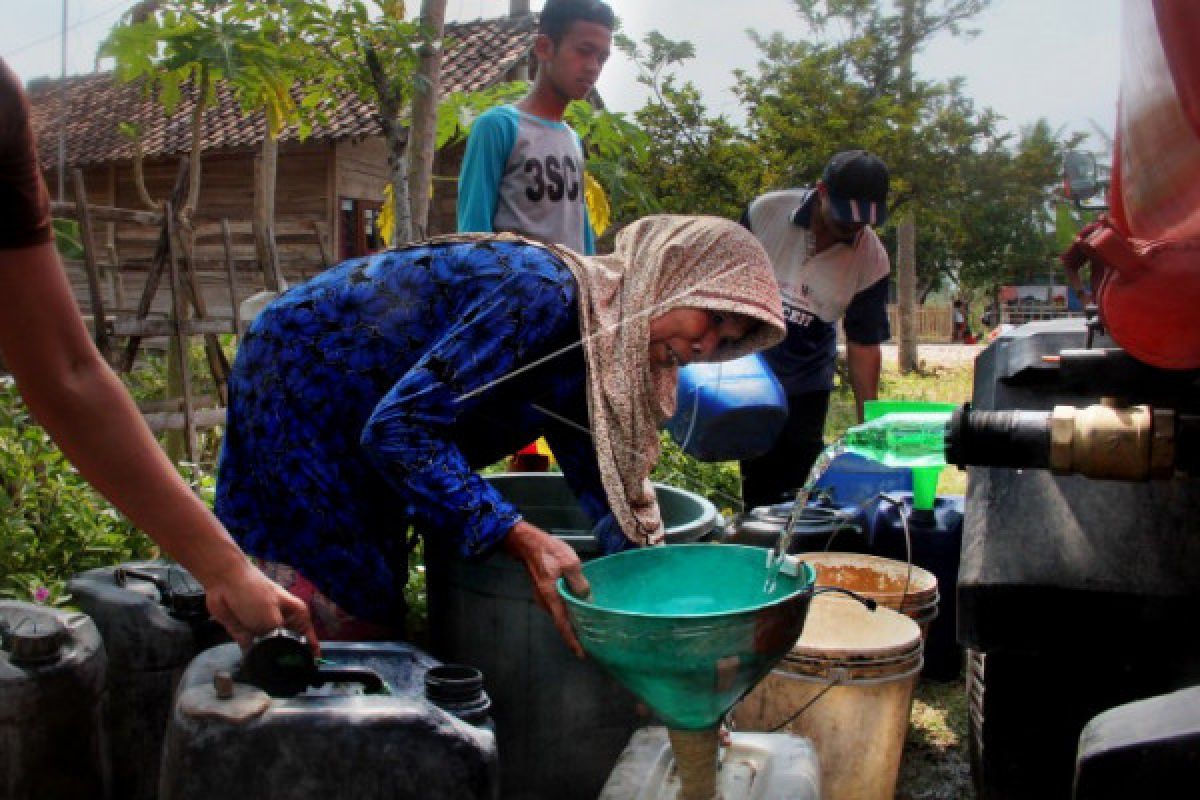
(830, 265)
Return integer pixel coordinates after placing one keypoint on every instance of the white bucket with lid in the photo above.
(847, 685)
(897, 585)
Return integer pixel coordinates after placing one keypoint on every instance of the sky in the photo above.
(1056, 59)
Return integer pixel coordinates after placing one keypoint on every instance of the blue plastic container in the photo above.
(936, 543)
(852, 480)
(728, 411)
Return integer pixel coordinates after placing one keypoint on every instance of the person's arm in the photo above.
(408, 436)
(866, 326)
(864, 363)
(85, 408)
(488, 145)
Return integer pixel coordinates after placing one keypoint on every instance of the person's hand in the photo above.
(546, 559)
(248, 603)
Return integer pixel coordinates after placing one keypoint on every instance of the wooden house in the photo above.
(329, 186)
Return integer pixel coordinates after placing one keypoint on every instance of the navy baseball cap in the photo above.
(857, 182)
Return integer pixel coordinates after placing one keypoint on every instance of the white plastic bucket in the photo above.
(897, 585)
(851, 677)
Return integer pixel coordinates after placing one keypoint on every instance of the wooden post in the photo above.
(157, 266)
(218, 365)
(231, 268)
(323, 242)
(86, 233)
(179, 312)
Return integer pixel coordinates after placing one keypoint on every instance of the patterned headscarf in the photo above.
(659, 263)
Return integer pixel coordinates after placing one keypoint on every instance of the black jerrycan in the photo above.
(52, 672)
(277, 724)
(153, 620)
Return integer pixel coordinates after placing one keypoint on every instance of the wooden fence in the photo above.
(934, 323)
(141, 279)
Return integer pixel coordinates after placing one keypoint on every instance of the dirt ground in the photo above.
(937, 355)
(935, 764)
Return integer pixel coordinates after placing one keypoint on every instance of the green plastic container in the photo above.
(689, 628)
(925, 479)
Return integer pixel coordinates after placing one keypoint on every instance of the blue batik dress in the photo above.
(362, 402)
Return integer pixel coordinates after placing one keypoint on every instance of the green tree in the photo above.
(186, 46)
(1008, 209)
(366, 49)
(692, 162)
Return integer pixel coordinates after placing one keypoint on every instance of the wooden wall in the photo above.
(361, 169)
(442, 210)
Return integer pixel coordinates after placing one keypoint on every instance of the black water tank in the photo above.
(52, 670)
(353, 739)
(153, 620)
(1074, 595)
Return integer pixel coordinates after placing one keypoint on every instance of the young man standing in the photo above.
(830, 265)
(523, 169)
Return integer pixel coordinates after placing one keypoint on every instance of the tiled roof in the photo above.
(478, 54)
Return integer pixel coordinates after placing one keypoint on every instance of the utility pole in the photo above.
(62, 111)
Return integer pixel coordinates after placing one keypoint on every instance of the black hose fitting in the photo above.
(1016, 439)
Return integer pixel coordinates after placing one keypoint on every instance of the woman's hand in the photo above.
(248, 603)
(546, 559)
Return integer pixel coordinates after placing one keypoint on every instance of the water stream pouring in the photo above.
(690, 629)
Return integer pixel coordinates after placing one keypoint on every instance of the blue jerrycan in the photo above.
(728, 411)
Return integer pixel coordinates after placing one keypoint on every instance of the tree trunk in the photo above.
(389, 117)
(906, 233)
(906, 286)
(398, 161)
(193, 197)
(423, 129)
(265, 168)
(139, 175)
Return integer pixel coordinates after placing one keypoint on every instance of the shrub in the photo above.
(52, 523)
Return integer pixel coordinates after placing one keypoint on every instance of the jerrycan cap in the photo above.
(458, 689)
(34, 642)
(280, 663)
(181, 594)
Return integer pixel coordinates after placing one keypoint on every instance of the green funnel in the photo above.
(925, 479)
(689, 628)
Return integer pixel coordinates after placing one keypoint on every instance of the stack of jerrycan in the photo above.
(371, 720)
(153, 620)
(52, 670)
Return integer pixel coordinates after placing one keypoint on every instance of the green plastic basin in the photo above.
(689, 628)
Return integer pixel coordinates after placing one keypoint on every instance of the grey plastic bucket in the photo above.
(561, 723)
